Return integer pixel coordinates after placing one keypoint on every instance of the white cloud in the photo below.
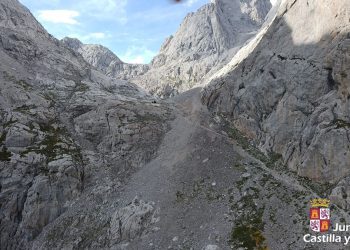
(96, 37)
(59, 16)
(138, 60)
(106, 9)
(189, 3)
(136, 54)
(273, 2)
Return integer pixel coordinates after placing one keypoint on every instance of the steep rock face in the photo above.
(64, 127)
(205, 41)
(289, 89)
(105, 60)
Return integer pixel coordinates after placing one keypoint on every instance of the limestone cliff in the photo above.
(204, 42)
(61, 123)
(289, 89)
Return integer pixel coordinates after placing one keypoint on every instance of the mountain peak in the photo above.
(72, 43)
(104, 59)
(204, 42)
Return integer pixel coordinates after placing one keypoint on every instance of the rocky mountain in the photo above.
(105, 60)
(64, 126)
(204, 42)
(89, 161)
(289, 91)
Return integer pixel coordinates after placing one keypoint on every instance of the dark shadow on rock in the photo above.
(293, 99)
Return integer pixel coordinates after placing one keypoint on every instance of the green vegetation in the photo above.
(24, 108)
(180, 196)
(341, 124)
(51, 97)
(322, 189)
(9, 123)
(248, 232)
(249, 227)
(2, 137)
(249, 237)
(239, 167)
(22, 83)
(273, 216)
(269, 160)
(110, 89)
(274, 160)
(54, 144)
(81, 87)
(5, 155)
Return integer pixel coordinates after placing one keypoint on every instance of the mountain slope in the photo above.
(91, 162)
(289, 90)
(64, 127)
(204, 42)
(105, 60)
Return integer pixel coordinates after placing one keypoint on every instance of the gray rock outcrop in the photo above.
(289, 89)
(64, 127)
(131, 221)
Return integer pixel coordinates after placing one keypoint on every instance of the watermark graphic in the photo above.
(320, 225)
(320, 215)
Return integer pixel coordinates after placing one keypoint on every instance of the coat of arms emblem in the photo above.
(320, 215)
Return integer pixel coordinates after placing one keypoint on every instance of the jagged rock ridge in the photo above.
(205, 41)
(105, 60)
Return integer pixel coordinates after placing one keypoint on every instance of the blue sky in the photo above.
(133, 29)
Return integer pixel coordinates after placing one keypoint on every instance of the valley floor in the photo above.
(205, 189)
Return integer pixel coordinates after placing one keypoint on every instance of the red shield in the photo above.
(319, 219)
